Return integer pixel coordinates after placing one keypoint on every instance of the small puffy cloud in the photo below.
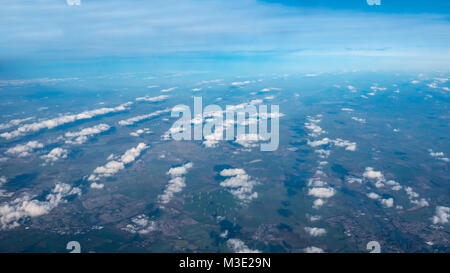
(153, 99)
(134, 120)
(351, 88)
(239, 246)
(322, 192)
(232, 172)
(439, 155)
(442, 215)
(82, 136)
(318, 203)
(55, 155)
(22, 150)
(313, 231)
(347, 109)
(176, 183)
(389, 202)
(139, 132)
(373, 195)
(14, 122)
(377, 176)
(114, 166)
(313, 127)
(141, 224)
(349, 146)
(313, 249)
(52, 123)
(361, 120)
(12, 213)
(239, 183)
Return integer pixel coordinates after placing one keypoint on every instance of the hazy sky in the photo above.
(313, 34)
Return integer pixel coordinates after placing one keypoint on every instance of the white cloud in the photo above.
(318, 203)
(24, 207)
(377, 176)
(55, 155)
(322, 192)
(176, 183)
(22, 150)
(361, 120)
(239, 246)
(139, 132)
(439, 155)
(239, 183)
(313, 231)
(52, 123)
(240, 83)
(168, 89)
(389, 202)
(153, 99)
(268, 89)
(312, 125)
(114, 166)
(141, 224)
(347, 109)
(313, 249)
(13, 123)
(133, 120)
(82, 136)
(442, 215)
(373, 195)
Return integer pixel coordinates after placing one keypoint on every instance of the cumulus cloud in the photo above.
(55, 155)
(388, 203)
(439, 155)
(313, 231)
(12, 213)
(22, 150)
(176, 183)
(52, 123)
(239, 246)
(14, 122)
(322, 192)
(3, 192)
(413, 197)
(376, 176)
(83, 135)
(442, 215)
(313, 249)
(134, 120)
(141, 224)
(114, 166)
(153, 99)
(239, 183)
(139, 132)
(313, 127)
(361, 120)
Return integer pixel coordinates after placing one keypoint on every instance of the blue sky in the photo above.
(309, 35)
